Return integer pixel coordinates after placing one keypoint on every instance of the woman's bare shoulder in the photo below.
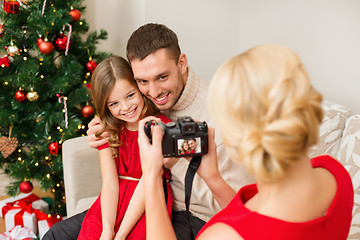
(220, 231)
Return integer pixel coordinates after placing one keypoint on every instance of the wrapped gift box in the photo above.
(45, 222)
(21, 214)
(18, 233)
(41, 205)
(37, 203)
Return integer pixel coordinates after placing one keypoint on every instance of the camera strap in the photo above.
(189, 177)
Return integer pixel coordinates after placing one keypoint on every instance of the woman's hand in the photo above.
(94, 126)
(152, 160)
(208, 169)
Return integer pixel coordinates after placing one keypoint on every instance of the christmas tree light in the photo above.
(43, 93)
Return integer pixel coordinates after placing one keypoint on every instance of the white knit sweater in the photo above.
(193, 102)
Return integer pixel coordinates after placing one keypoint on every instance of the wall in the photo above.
(325, 33)
(207, 29)
(200, 25)
(118, 17)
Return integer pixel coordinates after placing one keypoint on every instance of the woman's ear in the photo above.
(183, 63)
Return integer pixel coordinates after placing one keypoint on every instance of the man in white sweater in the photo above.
(163, 76)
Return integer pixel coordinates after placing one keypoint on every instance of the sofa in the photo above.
(339, 137)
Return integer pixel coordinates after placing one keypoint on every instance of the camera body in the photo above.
(182, 138)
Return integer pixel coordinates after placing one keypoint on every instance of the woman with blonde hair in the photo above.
(268, 114)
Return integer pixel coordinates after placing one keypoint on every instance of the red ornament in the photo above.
(88, 85)
(20, 95)
(75, 14)
(25, 187)
(60, 43)
(39, 41)
(91, 65)
(54, 148)
(11, 6)
(87, 111)
(2, 30)
(4, 62)
(46, 47)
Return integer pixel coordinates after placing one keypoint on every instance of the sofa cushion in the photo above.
(82, 174)
(84, 204)
(350, 157)
(331, 130)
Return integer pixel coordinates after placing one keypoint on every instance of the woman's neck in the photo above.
(300, 170)
(305, 193)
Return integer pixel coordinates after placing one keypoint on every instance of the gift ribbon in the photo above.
(24, 207)
(18, 232)
(6, 208)
(51, 220)
(29, 199)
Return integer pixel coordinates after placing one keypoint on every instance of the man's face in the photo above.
(192, 144)
(160, 79)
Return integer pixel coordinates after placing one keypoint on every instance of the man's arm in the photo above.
(93, 127)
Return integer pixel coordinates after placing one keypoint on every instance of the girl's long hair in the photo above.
(105, 75)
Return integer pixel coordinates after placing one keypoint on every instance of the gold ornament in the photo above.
(12, 50)
(32, 96)
(26, 2)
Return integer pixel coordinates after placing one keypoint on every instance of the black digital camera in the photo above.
(182, 138)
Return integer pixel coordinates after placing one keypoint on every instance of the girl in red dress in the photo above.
(118, 213)
(184, 148)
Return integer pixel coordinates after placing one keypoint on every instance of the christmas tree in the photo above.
(46, 63)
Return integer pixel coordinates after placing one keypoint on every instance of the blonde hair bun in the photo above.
(266, 109)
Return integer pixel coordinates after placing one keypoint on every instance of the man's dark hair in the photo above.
(149, 38)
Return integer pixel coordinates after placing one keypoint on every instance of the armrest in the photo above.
(82, 173)
(349, 156)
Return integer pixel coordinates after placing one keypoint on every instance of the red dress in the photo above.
(128, 164)
(335, 223)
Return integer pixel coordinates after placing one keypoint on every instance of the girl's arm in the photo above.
(109, 193)
(134, 211)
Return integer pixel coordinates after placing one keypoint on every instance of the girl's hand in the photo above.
(208, 169)
(107, 235)
(151, 156)
(119, 236)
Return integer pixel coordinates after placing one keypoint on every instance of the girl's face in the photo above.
(126, 103)
(185, 146)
